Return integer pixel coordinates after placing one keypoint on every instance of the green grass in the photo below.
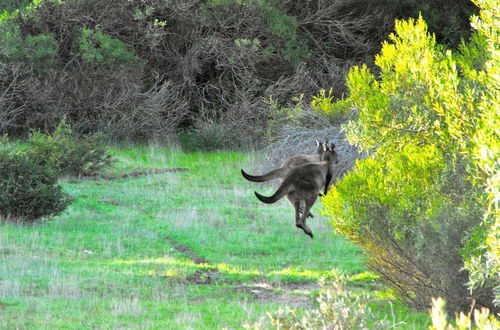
(190, 249)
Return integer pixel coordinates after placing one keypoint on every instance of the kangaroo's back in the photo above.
(302, 159)
(298, 160)
(287, 165)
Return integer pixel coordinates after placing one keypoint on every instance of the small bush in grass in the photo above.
(68, 154)
(28, 189)
(210, 135)
(339, 308)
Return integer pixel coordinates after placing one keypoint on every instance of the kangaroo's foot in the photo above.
(305, 229)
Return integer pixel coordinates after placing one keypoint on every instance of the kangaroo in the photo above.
(303, 184)
(287, 165)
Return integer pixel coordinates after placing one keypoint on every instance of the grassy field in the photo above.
(171, 240)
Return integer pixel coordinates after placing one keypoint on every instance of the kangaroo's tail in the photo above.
(277, 173)
(282, 191)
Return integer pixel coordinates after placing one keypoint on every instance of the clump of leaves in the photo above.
(35, 51)
(335, 110)
(28, 189)
(99, 48)
(67, 153)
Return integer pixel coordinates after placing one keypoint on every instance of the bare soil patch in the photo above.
(186, 250)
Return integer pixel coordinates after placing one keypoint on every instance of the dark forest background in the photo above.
(153, 69)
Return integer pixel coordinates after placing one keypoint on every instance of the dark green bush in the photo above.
(449, 20)
(28, 189)
(10, 5)
(99, 48)
(67, 153)
(35, 51)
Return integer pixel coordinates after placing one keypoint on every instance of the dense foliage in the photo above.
(419, 205)
(28, 190)
(68, 154)
(147, 69)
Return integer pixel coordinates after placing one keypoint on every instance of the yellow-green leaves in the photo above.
(431, 119)
(406, 187)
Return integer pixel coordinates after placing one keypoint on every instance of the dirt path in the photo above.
(201, 276)
(293, 294)
(135, 174)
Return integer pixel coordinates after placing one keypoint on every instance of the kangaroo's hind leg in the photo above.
(302, 220)
(301, 208)
(298, 214)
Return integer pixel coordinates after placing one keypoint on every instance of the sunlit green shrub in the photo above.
(325, 103)
(482, 67)
(67, 153)
(417, 205)
(28, 189)
(412, 215)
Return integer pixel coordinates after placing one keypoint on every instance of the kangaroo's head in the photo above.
(321, 148)
(329, 154)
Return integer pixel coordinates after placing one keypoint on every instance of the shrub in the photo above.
(210, 135)
(412, 215)
(339, 308)
(28, 189)
(481, 319)
(107, 62)
(68, 154)
(419, 206)
(482, 67)
(37, 51)
(98, 48)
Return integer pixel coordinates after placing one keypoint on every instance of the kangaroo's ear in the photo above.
(317, 143)
(332, 146)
